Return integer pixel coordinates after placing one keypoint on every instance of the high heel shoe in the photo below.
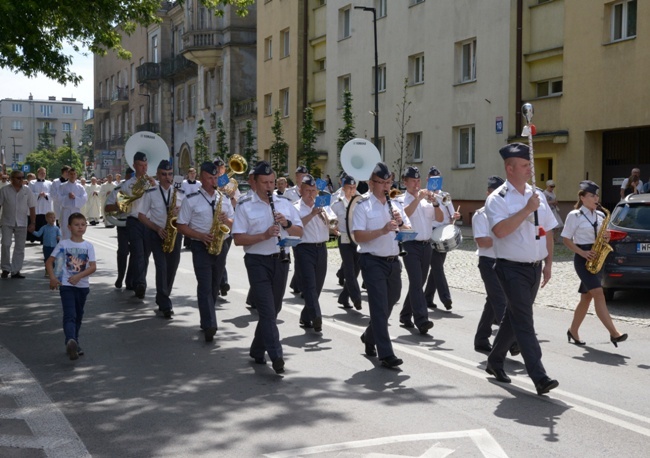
(569, 337)
(616, 340)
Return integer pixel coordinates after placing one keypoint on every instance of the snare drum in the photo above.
(446, 238)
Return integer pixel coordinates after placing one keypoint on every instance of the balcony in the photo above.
(102, 145)
(203, 47)
(117, 141)
(178, 67)
(120, 96)
(148, 72)
(148, 127)
(245, 107)
(102, 105)
(49, 130)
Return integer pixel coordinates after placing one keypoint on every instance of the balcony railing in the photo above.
(49, 130)
(149, 127)
(197, 39)
(178, 66)
(149, 71)
(117, 141)
(102, 105)
(120, 95)
(245, 107)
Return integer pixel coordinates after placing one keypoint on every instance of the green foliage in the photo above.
(222, 141)
(250, 153)
(346, 133)
(307, 154)
(33, 34)
(201, 145)
(279, 150)
(45, 140)
(53, 161)
(402, 143)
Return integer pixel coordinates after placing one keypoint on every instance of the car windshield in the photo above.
(632, 216)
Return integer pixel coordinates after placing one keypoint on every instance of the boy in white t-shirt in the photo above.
(78, 263)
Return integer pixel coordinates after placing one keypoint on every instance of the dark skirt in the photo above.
(588, 281)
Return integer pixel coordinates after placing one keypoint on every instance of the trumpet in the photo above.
(394, 192)
(443, 197)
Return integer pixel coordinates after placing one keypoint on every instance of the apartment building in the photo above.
(23, 122)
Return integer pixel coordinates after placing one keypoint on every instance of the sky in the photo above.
(18, 86)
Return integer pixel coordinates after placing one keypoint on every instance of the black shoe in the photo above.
(118, 284)
(408, 324)
(391, 361)
(139, 291)
(278, 365)
(318, 324)
(498, 374)
(258, 360)
(5, 274)
(80, 350)
(370, 349)
(209, 333)
(570, 337)
(614, 340)
(483, 348)
(357, 304)
(168, 314)
(546, 385)
(514, 349)
(432, 305)
(72, 349)
(19, 275)
(306, 324)
(223, 291)
(424, 327)
(341, 279)
(295, 291)
(345, 305)
(447, 304)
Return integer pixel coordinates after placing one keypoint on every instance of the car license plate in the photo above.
(643, 247)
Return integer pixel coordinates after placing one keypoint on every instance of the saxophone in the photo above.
(170, 226)
(218, 230)
(600, 246)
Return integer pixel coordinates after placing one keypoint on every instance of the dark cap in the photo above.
(434, 172)
(347, 179)
(164, 165)
(302, 169)
(262, 168)
(515, 150)
(128, 170)
(140, 156)
(219, 162)
(494, 182)
(308, 180)
(411, 172)
(589, 186)
(381, 170)
(209, 167)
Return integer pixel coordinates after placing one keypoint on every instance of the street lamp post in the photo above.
(376, 113)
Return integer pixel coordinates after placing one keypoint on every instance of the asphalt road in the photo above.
(151, 387)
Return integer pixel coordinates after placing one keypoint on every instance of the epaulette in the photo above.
(191, 195)
(503, 191)
(243, 200)
(182, 191)
(151, 189)
(117, 188)
(364, 198)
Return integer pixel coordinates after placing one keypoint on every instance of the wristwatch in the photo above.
(289, 224)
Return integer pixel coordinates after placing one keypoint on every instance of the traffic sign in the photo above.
(14, 165)
(26, 168)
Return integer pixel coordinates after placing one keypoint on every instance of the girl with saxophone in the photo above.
(203, 218)
(582, 229)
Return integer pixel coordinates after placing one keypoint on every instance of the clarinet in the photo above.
(284, 257)
(402, 252)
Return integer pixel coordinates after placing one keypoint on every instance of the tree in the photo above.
(222, 141)
(33, 34)
(53, 161)
(308, 155)
(250, 153)
(402, 143)
(45, 140)
(346, 133)
(279, 149)
(201, 145)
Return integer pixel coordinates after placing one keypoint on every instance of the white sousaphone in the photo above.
(358, 159)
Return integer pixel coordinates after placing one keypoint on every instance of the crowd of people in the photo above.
(276, 224)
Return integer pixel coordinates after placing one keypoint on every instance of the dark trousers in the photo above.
(296, 280)
(208, 270)
(495, 302)
(520, 284)
(267, 276)
(166, 267)
(350, 268)
(123, 257)
(313, 265)
(416, 263)
(384, 286)
(139, 250)
(73, 300)
(437, 280)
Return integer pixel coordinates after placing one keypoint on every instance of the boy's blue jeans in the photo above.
(73, 300)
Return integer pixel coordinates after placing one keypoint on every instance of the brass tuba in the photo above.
(218, 230)
(600, 246)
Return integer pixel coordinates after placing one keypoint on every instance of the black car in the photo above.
(628, 265)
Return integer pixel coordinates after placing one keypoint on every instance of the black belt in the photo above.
(419, 242)
(585, 246)
(384, 258)
(317, 244)
(487, 258)
(133, 217)
(517, 263)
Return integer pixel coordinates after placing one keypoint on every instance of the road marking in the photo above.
(483, 440)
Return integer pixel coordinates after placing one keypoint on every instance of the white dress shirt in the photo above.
(197, 210)
(369, 215)
(317, 230)
(481, 228)
(579, 226)
(423, 218)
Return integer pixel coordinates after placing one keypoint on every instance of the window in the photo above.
(320, 125)
(344, 23)
(126, 122)
(66, 109)
(466, 147)
(467, 61)
(549, 88)
(380, 8)
(193, 99)
(155, 99)
(343, 85)
(16, 125)
(132, 76)
(119, 125)
(180, 103)
(132, 122)
(284, 36)
(415, 2)
(284, 96)
(17, 107)
(142, 120)
(321, 64)
(66, 127)
(268, 105)
(268, 48)
(381, 78)
(154, 49)
(101, 86)
(415, 146)
(623, 20)
(206, 89)
(219, 86)
(416, 70)
(46, 110)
